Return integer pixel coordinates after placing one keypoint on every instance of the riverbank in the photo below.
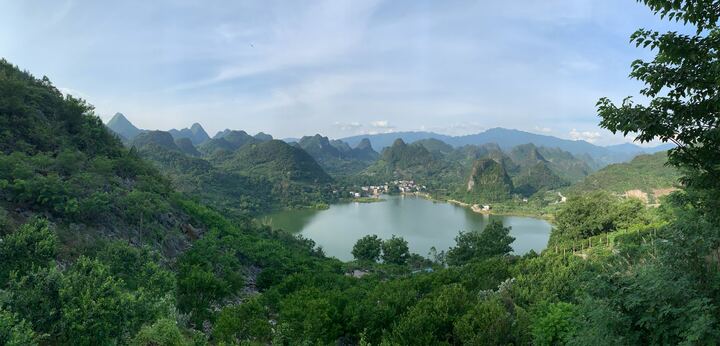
(501, 209)
(367, 200)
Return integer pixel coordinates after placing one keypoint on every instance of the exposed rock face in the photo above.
(489, 181)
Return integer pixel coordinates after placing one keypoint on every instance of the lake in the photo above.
(423, 223)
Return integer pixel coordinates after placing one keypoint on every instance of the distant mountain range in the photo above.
(507, 139)
(489, 166)
(321, 147)
(195, 133)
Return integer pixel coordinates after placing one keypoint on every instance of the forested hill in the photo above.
(59, 161)
(508, 138)
(97, 248)
(646, 176)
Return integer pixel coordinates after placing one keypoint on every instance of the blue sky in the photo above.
(293, 68)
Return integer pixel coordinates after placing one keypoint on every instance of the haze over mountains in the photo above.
(492, 166)
(325, 149)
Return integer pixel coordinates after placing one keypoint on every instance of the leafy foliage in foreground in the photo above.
(653, 281)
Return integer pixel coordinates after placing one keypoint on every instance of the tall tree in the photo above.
(493, 240)
(395, 250)
(367, 248)
(683, 89)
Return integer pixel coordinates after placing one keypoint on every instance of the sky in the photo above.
(336, 67)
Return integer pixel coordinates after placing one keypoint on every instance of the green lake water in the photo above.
(421, 222)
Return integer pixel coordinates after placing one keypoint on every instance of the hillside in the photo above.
(195, 133)
(409, 161)
(95, 242)
(186, 146)
(488, 182)
(123, 127)
(277, 160)
(647, 173)
(228, 140)
(160, 138)
(337, 157)
(59, 161)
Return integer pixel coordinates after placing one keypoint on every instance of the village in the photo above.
(396, 186)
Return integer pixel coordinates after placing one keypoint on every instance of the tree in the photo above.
(492, 241)
(487, 323)
(36, 297)
(247, 321)
(33, 244)
(430, 321)
(14, 331)
(95, 307)
(554, 323)
(682, 87)
(591, 214)
(368, 248)
(395, 250)
(163, 332)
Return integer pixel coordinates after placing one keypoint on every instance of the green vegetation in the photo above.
(336, 157)
(648, 173)
(492, 241)
(368, 248)
(488, 182)
(97, 246)
(592, 214)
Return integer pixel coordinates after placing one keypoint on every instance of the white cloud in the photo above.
(351, 126)
(588, 136)
(381, 126)
(543, 129)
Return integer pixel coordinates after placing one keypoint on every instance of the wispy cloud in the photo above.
(310, 36)
(336, 66)
(381, 126)
(588, 136)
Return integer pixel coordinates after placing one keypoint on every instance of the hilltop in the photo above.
(123, 127)
(597, 156)
(646, 177)
(337, 157)
(196, 133)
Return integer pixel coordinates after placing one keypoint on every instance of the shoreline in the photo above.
(477, 209)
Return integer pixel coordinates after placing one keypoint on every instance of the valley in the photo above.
(316, 171)
(111, 234)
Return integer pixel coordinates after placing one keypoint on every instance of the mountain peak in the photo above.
(263, 136)
(118, 117)
(195, 133)
(122, 126)
(364, 144)
(197, 127)
(399, 142)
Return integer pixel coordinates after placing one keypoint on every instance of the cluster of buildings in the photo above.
(408, 186)
(372, 190)
(402, 186)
